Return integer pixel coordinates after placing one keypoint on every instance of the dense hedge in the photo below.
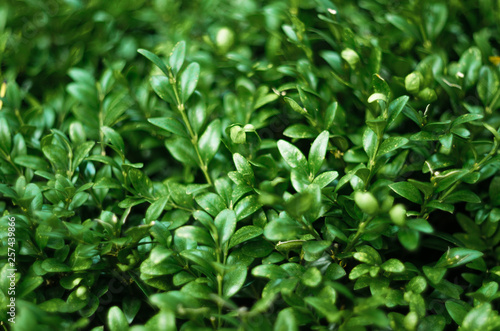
(250, 165)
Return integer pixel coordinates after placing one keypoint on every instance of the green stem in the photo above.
(9, 160)
(192, 134)
(489, 109)
(311, 229)
(359, 233)
(220, 277)
(475, 168)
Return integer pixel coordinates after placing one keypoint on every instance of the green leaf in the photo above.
(299, 131)
(209, 141)
(370, 142)
(481, 317)
(312, 277)
(334, 272)
(494, 191)
(5, 138)
(116, 319)
(359, 271)
(325, 178)
(53, 265)
(433, 322)
(314, 249)
(162, 87)
(376, 97)
(487, 85)
(80, 153)
(470, 63)
(114, 107)
(409, 238)
(441, 206)
(142, 184)
(351, 57)
(457, 310)
(32, 162)
(226, 224)
(182, 150)
(155, 59)
(435, 275)
(462, 195)
(247, 206)
(466, 118)
(330, 113)
(295, 106)
(293, 156)
(420, 224)
(244, 167)
(378, 126)
(164, 320)
(393, 265)
(170, 124)
(286, 321)
(189, 80)
(244, 234)
(114, 138)
(407, 191)
(435, 19)
(449, 177)
(457, 256)
(194, 233)
(417, 284)
(238, 135)
(391, 144)
(57, 156)
(404, 25)
(155, 209)
(318, 152)
(233, 280)
(367, 254)
(395, 108)
(211, 202)
(176, 58)
(270, 271)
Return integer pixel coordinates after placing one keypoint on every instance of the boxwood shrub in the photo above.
(249, 165)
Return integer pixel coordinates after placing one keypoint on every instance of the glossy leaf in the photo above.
(189, 80)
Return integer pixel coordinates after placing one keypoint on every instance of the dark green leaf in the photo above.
(161, 85)
(293, 156)
(455, 257)
(226, 224)
(317, 152)
(170, 124)
(407, 191)
(247, 206)
(116, 319)
(189, 80)
(391, 144)
(209, 141)
(176, 58)
(155, 59)
(234, 280)
(244, 234)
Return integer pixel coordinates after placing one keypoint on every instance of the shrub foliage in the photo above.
(251, 165)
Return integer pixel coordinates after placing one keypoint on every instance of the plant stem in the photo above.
(475, 168)
(489, 108)
(359, 233)
(192, 134)
(219, 277)
(9, 160)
